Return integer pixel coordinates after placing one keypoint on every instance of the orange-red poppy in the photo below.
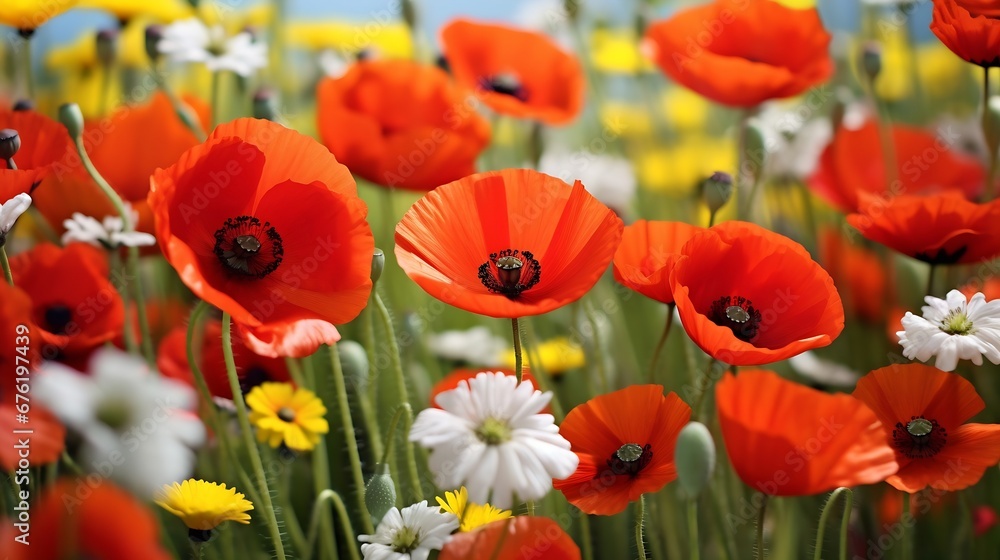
(859, 275)
(400, 124)
(786, 439)
(291, 339)
(74, 305)
(647, 254)
(969, 28)
(82, 519)
(515, 72)
(162, 316)
(625, 441)
(266, 225)
(853, 163)
(984, 518)
(990, 287)
(515, 538)
(47, 435)
(748, 296)
(16, 321)
(923, 411)
(44, 142)
(724, 50)
(939, 229)
(508, 243)
(251, 368)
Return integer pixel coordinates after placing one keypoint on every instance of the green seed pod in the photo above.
(378, 263)
(354, 361)
(264, 105)
(72, 118)
(871, 60)
(107, 44)
(10, 143)
(154, 34)
(694, 456)
(380, 493)
(716, 190)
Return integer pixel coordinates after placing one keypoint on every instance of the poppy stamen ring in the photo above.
(919, 438)
(510, 272)
(738, 314)
(248, 247)
(630, 459)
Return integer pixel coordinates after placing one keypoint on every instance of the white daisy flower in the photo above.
(410, 534)
(190, 40)
(490, 436)
(10, 211)
(610, 179)
(814, 368)
(109, 234)
(134, 426)
(476, 346)
(953, 329)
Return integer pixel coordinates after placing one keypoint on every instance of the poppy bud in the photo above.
(716, 190)
(23, 105)
(694, 456)
(154, 33)
(106, 44)
(380, 493)
(72, 118)
(378, 263)
(410, 14)
(354, 361)
(10, 143)
(263, 105)
(991, 125)
(871, 60)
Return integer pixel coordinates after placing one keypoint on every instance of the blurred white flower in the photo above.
(816, 369)
(490, 436)
(190, 40)
(134, 426)
(953, 329)
(109, 234)
(793, 144)
(333, 63)
(410, 534)
(476, 346)
(10, 211)
(546, 16)
(610, 179)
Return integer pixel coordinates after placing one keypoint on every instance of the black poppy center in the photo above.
(738, 314)
(919, 438)
(510, 272)
(248, 247)
(630, 459)
(57, 318)
(942, 256)
(506, 83)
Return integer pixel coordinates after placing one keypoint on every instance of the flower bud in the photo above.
(72, 118)
(694, 456)
(263, 105)
(410, 14)
(378, 263)
(871, 60)
(354, 361)
(154, 33)
(107, 40)
(23, 105)
(10, 143)
(716, 190)
(380, 493)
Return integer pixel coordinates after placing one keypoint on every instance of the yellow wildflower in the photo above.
(389, 41)
(557, 355)
(203, 506)
(285, 414)
(470, 515)
(29, 14)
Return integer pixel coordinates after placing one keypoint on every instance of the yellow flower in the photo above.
(284, 414)
(203, 506)
(29, 14)
(626, 120)
(389, 41)
(943, 75)
(678, 169)
(164, 11)
(798, 4)
(617, 51)
(685, 110)
(470, 515)
(557, 355)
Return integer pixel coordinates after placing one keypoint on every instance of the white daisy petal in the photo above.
(11, 210)
(423, 528)
(953, 329)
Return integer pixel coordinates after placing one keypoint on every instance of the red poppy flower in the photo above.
(969, 28)
(990, 287)
(513, 538)
(938, 229)
(515, 72)
(409, 125)
(724, 50)
(748, 296)
(251, 368)
(984, 518)
(293, 339)
(162, 315)
(48, 436)
(16, 321)
(625, 441)
(852, 163)
(80, 520)
(44, 142)
(923, 411)
(265, 224)
(647, 254)
(507, 244)
(74, 305)
(859, 275)
(785, 439)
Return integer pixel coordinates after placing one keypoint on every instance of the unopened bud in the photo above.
(10, 143)
(410, 14)
(72, 118)
(380, 493)
(716, 190)
(871, 60)
(354, 361)
(23, 105)
(107, 40)
(694, 456)
(154, 34)
(264, 105)
(378, 263)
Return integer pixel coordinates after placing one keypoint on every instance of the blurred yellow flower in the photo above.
(233, 20)
(557, 355)
(29, 14)
(685, 110)
(678, 169)
(625, 119)
(617, 51)
(941, 73)
(163, 11)
(82, 53)
(470, 515)
(389, 41)
(798, 4)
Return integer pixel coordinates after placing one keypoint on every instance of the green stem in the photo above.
(199, 378)
(340, 386)
(248, 439)
(197, 550)
(694, 552)
(707, 382)
(390, 335)
(759, 549)
(216, 96)
(411, 458)
(367, 395)
(29, 74)
(930, 279)
(991, 178)
(6, 266)
(518, 367)
(602, 372)
(183, 112)
(886, 141)
(106, 73)
(907, 550)
(640, 507)
(711, 217)
(663, 340)
(586, 537)
(824, 517)
(345, 524)
(320, 465)
(291, 521)
(119, 268)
